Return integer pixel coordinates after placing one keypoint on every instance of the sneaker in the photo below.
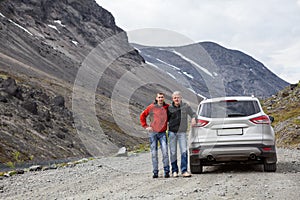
(155, 175)
(167, 175)
(175, 174)
(186, 174)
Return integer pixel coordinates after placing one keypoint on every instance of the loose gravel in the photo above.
(131, 178)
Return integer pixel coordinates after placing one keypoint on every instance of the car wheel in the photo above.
(196, 169)
(269, 167)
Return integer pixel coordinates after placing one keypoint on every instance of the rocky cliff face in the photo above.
(53, 37)
(42, 46)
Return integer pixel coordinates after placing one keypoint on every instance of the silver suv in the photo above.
(232, 129)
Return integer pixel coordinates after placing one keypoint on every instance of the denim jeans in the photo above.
(182, 140)
(162, 138)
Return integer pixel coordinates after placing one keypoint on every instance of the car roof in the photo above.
(229, 98)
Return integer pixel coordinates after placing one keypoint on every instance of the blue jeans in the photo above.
(162, 138)
(182, 140)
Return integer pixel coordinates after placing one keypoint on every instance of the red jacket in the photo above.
(158, 117)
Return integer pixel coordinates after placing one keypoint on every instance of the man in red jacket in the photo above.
(157, 112)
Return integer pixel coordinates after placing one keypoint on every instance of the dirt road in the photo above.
(131, 178)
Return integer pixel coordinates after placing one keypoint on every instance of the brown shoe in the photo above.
(186, 174)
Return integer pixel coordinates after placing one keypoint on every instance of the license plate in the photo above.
(230, 131)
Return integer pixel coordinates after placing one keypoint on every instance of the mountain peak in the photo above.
(213, 70)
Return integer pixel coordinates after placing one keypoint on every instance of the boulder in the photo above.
(31, 107)
(58, 101)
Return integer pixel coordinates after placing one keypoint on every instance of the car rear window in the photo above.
(229, 109)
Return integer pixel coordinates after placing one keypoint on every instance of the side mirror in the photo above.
(271, 119)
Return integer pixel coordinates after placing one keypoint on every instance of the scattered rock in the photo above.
(122, 152)
(61, 136)
(20, 171)
(3, 99)
(59, 101)
(11, 88)
(35, 168)
(31, 107)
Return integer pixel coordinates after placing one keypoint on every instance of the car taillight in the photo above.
(261, 120)
(200, 123)
(267, 148)
(195, 151)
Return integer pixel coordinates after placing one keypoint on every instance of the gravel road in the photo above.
(131, 178)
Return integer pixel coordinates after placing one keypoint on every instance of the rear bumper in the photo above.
(232, 153)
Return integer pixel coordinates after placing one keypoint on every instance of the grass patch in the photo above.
(10, 164)
(286, 114)
(142, 148)
(297, 121)
(3, 76)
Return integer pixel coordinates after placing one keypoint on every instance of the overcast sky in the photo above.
(267, 30)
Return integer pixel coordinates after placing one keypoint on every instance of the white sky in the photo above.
(267, 30)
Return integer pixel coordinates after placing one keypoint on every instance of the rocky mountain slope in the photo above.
(212, 70)
(35, 124)
(73, 49)
(43, 44)
(285, 108)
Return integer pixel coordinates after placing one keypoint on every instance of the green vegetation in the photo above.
(10, 164)
(297, 122)
(5, 75)
(142, 148)
(17, 159)
(16, 156)
(286, 114)
(31, 157)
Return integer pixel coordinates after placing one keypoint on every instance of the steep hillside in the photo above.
(285, 108)
(72, 49)
(35, 124)
(212, 70)
(52, 38)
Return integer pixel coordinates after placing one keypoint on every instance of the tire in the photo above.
(270, 167)
(196, 169)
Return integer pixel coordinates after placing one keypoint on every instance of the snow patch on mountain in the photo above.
(188, 75)
(59, 22)
(18, 25)
(52, 26)
(193, 63)
(171, 75)
(152, 64)
(168, 64)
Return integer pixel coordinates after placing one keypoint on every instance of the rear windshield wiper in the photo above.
(236, 115)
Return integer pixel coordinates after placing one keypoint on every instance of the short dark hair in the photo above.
(160, 93)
